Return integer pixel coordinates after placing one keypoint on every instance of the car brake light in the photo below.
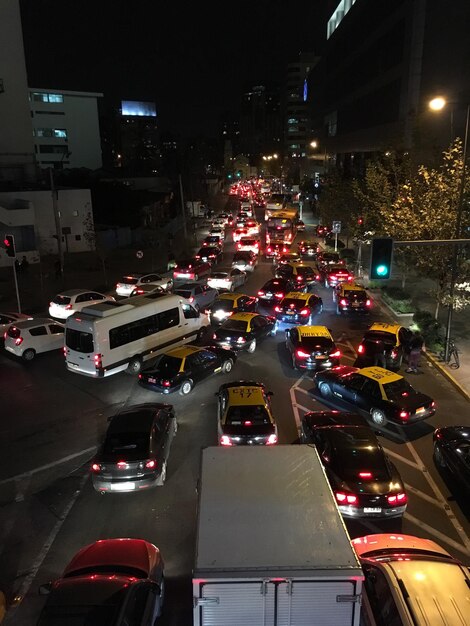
(68, 307)
(365, 474)
(394, 354)
(150, 464)
(284, 249)
(277, 309)
(166, 383)
(304, 312)
(299, 277)
(95, 467)
(272, 439)
(433, 403)
(317, 277)
(335, 354)
(367, 302)
(399, 498)
(97, 360)
(343, 302)
(191, 299)
(248, 423)
(121, 465)
(225, 441)
(279, 295)
(350, 277)
(18, 341)
(269, 250)
(345, 498)
(361, 349)
(65, 350)
(239, 246)
(404, 415)
(301, 354)
(261, 293)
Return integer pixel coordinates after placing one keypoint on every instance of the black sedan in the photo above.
(452, 453)
(243, 331)
(298, 308)
(182, 368)
(379, 393)
(274, 290)
(312, 348)
(364, 480)
(308, 249)
(210, 254)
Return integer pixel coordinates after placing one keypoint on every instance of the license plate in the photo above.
(355, 304)
(420, 410)
(372, 509)
(290, 313)
(122, 486)
(152, 380)
(269, 295)
(184, 275)
(321, 357)
(310, 252)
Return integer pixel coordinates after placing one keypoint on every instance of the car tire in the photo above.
(325, 390)
(378, 417)
(186, 387)
(438, 458)
(162, 475)
(227, 366)
(29, 354)
(252, 347)
(134, 367)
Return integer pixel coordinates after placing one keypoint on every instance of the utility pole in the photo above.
(183, 211)
(58, 228)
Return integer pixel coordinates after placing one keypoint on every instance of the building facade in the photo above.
(66, 131)
(260, 122)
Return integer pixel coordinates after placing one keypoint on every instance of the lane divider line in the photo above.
(441, 536)
(403, 459)
(422, 495)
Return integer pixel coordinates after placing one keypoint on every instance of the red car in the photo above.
(192, 269)
(103, 580)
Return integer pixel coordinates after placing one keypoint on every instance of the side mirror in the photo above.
(45, 589)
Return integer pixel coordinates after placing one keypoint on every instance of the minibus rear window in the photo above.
(79, 341)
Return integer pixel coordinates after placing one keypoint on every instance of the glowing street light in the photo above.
(314, 144)
(437, 104)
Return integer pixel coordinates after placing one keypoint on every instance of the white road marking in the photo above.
(402, 459)
(302, 408)
(23, 590)
(42, 468)
(294, 403)
(441, 536)
(422, 495)
(301, 389)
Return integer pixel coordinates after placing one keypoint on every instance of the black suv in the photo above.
(135, 451)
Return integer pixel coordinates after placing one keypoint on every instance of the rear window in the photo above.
(63, 300)
(129, 280)
(236, 325)
(379, 335)
(221, 275)
(168, 366)
(398, 390)
(360, 296)
(247, 242)
(316, 343)
(126, 445)
(79, 341)
(304, 271)
(296, 304)
(328, 257)
(77, 615)
(353, 453)
(241, 256)
(13, 332)
(256, 414)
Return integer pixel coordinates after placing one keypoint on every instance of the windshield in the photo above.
(236, 325)
(224, 305)
(63, 300)
(256, 414)
(79, 341)
(398, 390)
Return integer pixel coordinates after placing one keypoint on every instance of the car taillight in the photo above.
(97, 360)
(261, 293)
(151, 464)
(272, 439)
(299, 277)
(239, 246)
(121, 465)
(394, 354)
(433, 404)
(345, 498)
(336, 354)
(166, 383)
(95, 467)
(343, 302)
(277, 309)
(317, 277)
(404, 415)
(64, 349)
(269, 250)
(284, 249)
(367, 302)
(191, 299)
(365, 474)
(279, 295)
(225, 441)
(18, 341)
(350, 277)
(399, 498)
(304, 312)
(68, 307)
(301, 354)
(241, 340)
(360, 349)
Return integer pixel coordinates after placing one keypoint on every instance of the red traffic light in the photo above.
(9, 243)
(360, 221)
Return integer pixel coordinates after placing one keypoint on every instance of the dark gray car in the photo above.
(134, 454)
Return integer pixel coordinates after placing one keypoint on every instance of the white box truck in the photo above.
(272, 548)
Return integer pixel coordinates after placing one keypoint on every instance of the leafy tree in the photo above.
(339, 203)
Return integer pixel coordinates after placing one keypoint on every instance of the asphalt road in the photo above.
(53, 419)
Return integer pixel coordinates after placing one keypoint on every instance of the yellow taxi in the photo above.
(378, 393)
(312, 347)
(244, 415)
(351, 299)
(394, 339)
(229, 303)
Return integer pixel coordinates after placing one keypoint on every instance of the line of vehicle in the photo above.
(27, 582)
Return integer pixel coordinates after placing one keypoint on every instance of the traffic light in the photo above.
(9, 243)
(229, 175)
(381, 259)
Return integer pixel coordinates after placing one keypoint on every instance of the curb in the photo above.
(443, 370)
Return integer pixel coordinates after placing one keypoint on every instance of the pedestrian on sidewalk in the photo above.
(416, 348)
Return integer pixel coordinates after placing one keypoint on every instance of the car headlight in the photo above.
(219, 314)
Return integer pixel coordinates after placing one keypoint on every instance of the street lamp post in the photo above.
(438, 104)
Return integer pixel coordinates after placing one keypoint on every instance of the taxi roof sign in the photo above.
(314, 331)
(380, 374)
(389, 328)
(352, 287)
(246, 395)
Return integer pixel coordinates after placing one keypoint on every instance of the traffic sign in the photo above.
(336, 228)
(139, 254)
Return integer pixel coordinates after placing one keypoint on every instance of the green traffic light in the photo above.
(382, 270)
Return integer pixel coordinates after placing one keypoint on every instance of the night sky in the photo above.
(193, 60)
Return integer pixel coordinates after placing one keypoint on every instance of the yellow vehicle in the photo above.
(229, 303)
(244, 414)
(351, 299)
(395, 340)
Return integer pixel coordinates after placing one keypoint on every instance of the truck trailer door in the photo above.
(234, 604)
(317, 603)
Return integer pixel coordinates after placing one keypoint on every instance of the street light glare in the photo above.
(313, 144)
(437, 104)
